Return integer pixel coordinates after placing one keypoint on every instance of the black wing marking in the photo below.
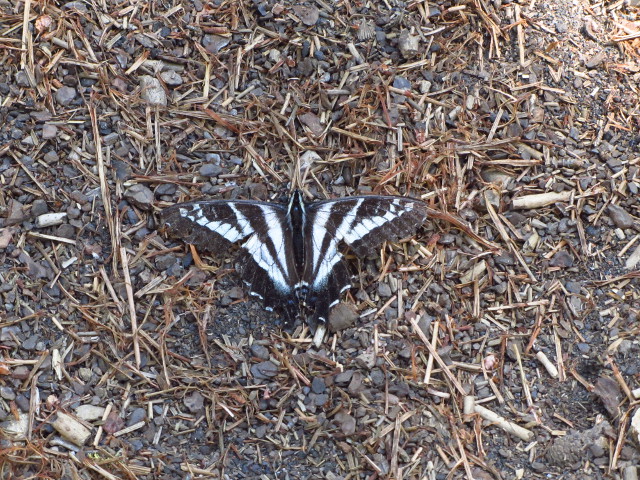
(362, 223)
(266, 268)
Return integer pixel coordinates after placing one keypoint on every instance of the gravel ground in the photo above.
(126, 354)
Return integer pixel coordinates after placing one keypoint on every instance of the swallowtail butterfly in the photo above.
(291, 255)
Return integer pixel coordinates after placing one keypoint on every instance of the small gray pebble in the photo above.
(23, 403)
(30, 343)
(384, 290)
(7, 393)
(138, 415)
(39, 207)
(620, 217)
(260, 351)
(264, 370)
(139, 195)
(401, 83)
(65, 95)
(317, 385)
(210, 170)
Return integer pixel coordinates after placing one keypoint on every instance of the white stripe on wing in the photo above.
(260, 251)
(325, 260)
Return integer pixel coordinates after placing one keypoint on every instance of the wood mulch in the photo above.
(127, 354)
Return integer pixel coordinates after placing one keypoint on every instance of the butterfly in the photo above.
(292, 254)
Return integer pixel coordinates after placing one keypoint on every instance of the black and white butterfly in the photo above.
(291, 255)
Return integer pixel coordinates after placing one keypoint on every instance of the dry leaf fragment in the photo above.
(43, 23)
(113, 423)
(365, 30)
(608, 390)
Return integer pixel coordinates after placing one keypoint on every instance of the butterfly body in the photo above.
(291, 255)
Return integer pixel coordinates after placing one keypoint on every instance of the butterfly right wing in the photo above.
(363, 224)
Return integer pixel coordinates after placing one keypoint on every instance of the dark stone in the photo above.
(318, 385)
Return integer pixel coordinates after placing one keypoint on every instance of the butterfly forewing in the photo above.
(362, 223)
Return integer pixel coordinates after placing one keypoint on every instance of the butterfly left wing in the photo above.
(264, 266)
(363, 224)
